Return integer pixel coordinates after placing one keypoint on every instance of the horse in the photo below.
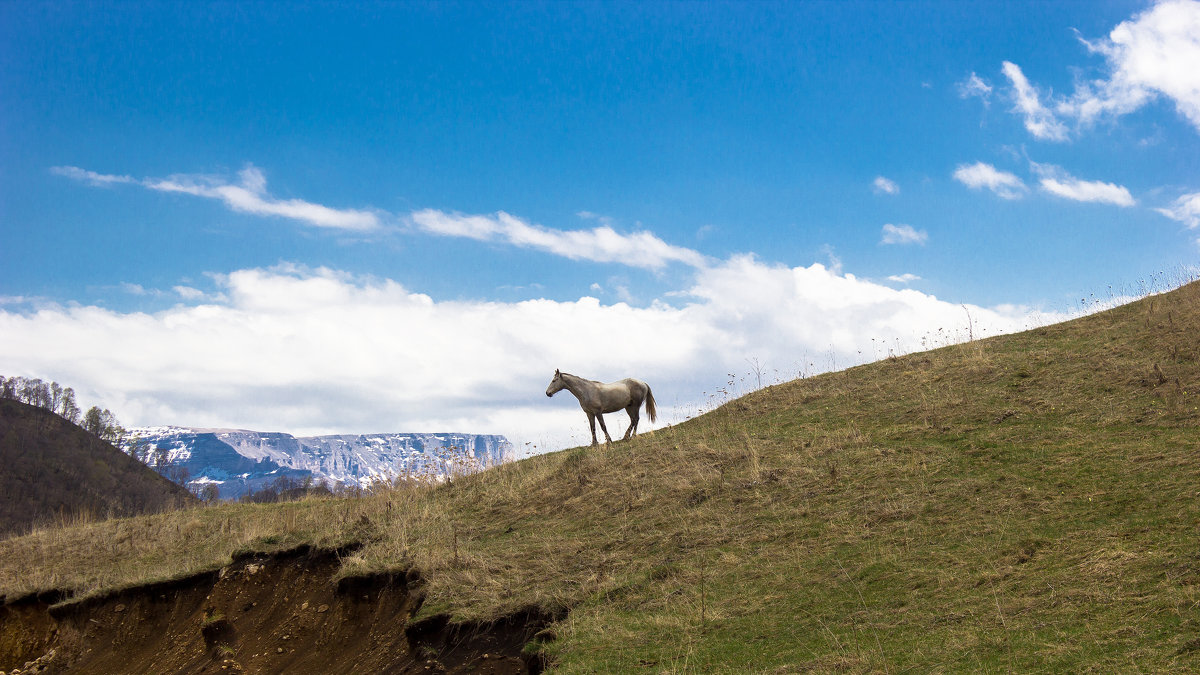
(597, 398)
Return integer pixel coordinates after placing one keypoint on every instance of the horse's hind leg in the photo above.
(633, 421)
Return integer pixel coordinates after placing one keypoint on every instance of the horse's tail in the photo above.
(650, 405)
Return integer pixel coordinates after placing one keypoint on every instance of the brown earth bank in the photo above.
(277, 613)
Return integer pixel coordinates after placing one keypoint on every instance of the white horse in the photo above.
(597, 398)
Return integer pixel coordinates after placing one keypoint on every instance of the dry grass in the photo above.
(1018, 503)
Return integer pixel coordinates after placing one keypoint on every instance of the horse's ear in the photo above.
(556, 373)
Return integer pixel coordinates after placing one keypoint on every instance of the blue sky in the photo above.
(694, 186)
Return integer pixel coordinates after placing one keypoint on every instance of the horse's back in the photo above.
(635, 386)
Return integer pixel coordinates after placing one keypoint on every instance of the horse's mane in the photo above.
(584, 378)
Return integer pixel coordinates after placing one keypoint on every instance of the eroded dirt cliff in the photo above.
(261, 614)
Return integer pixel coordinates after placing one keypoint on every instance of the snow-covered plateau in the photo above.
(239, 462)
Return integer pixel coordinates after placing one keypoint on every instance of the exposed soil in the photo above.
(261, 614)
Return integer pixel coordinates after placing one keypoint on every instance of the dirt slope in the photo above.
(261, 614)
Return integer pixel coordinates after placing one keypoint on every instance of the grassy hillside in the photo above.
(1027, 502)
(52, 470)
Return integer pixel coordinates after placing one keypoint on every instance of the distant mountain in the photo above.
(239, 462)
(52, 469)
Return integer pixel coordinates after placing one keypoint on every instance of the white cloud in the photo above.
(602, 219)
(600, 244)
(320, 351)
(1186, 210)
(1057, 181)
(90, 177)
(975, 86)
(905, 278)
(1154, 54)
(1151, 56)
(247, 196)
(903, 234)
(1039, 120)
(1089, 191)
(835, 263)
(250, 196)
(189, 293)
(885, 186)
(981, 175)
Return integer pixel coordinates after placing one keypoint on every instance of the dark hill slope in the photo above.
(52, 470)
(1026, 503)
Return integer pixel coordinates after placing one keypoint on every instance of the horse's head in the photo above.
(556, 385)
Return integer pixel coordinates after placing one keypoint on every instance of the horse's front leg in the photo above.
(603, 428)
(592, 424)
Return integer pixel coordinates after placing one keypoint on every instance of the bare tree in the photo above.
(93, 421)
(68, 409)
(56, 393)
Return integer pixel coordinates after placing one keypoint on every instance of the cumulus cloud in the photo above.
(980, 175)
(600, 244)
(1186, 210)
(248, 195)
(321, 351)
(903, 234)
(1058, 182)
(1151, 56)
(1039, 119)
(885, 186)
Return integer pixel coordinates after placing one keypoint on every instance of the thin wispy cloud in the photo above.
(906, 278)
(1056, 181)
(1039, 119)
(248, 195)
(903, 234)
(1185, 209)
(975, 87)
(604, 243)
(981, 175)
(189, 293)
(606, 221)
(835, 262)
(885, 186)
(132, 289)
(601, 244)
(91, 177)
